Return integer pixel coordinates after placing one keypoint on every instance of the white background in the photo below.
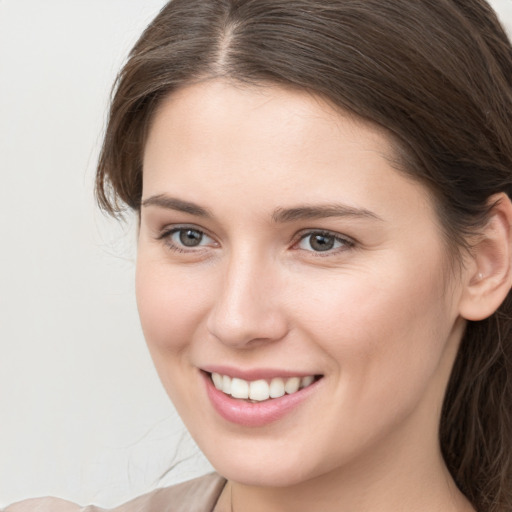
(82, 414)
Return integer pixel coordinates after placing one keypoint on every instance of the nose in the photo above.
(247, 310)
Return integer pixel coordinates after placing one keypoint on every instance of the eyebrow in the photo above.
(173, 203)
(280, 215)
(307, 212)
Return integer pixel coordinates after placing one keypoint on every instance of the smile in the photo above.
(260, 390)
(260, 399)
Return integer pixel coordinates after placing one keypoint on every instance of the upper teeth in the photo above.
(260, 390)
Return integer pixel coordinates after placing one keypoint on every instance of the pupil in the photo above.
(322, 242)
(190, 237)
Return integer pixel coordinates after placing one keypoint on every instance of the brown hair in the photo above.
(436, 74)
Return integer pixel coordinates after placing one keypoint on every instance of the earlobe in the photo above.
(488, 273)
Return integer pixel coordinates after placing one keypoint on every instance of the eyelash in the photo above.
(166, 237)
(345, 242)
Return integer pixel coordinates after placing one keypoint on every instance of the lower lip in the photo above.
(255, 414)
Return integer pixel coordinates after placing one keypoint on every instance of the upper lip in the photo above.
(252, 374)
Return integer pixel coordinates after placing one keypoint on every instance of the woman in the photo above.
(324, 249)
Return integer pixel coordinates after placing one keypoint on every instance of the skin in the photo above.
(378, 316)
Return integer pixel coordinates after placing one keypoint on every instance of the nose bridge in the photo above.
(247, 308)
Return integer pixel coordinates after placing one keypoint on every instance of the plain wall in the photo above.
(82, 413)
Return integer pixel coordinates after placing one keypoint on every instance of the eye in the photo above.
(186, 238)
(323, 241)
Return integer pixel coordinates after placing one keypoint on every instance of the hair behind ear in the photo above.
(476, 421)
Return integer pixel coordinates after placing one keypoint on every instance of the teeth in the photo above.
(226, 384)
(292, 385)
(217, 380)
(260, 390)
(276, 388)
(306, 381)
(239, 388)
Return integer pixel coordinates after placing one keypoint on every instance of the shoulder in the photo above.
(197, 495)
(43, 505)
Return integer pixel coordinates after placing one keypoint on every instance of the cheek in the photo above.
(170, 310)
(169, 307)
(381, 334)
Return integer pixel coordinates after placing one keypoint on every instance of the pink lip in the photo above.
(255, 414)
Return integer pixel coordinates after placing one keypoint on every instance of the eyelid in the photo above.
(164, 234)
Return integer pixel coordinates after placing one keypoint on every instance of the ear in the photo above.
(488, 272)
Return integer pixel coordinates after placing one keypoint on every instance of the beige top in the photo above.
(198, 495)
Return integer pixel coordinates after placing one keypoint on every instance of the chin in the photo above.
(273, 465)
(268, 474)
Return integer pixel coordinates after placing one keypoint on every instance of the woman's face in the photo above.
(279, 247)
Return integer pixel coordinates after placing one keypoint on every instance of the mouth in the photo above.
(261, 390)
(259, 401)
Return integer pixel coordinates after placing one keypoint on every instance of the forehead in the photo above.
(282, 118)
(214, 140)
